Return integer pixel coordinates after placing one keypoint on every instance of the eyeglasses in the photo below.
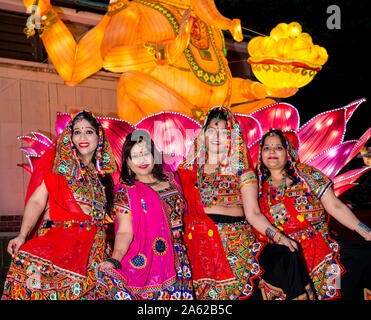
(275, 148)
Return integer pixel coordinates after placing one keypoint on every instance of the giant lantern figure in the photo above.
(170, 54)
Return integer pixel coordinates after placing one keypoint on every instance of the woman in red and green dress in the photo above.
(298, 199)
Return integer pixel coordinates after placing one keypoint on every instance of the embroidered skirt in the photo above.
(31, 277)
(112, 286)
(261, 271)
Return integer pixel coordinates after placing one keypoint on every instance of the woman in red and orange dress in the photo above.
(72, 185)
(220, 186)
(298, 199)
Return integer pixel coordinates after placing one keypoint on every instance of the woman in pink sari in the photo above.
(149, 259)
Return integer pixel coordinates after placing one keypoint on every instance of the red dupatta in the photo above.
(204, 246)
(68, 243)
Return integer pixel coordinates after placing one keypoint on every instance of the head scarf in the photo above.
(66, 161)
(310, 176)
(236, 155)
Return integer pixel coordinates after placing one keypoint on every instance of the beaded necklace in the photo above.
(278, 210)
(210, 187)
(98, 208)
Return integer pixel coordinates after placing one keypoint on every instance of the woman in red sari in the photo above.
(298, 199)
(71, 184)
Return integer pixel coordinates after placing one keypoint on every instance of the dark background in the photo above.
(344, 78)
(346, 75)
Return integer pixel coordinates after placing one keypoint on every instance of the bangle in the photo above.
(364, 227)
(115, 262)
(270, 233)
(47, 20)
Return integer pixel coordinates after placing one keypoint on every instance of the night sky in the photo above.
(346, 75)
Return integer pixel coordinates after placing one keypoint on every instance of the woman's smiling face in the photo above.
(141, 161)
(216, 136)
(274, 153)
(85, 138)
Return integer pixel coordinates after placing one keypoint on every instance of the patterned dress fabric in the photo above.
(156, 266)
(299, 213)
(225, 255)
(59, 261)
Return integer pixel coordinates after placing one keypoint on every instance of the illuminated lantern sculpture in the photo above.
(319, 141)
(170, 54)
(286, 58)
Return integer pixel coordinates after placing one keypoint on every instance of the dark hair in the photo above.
(88, 117)
(105, 179)
(131, 140)
(217, 113)
(265, 171)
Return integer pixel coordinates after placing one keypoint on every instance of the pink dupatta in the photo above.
(149, 264)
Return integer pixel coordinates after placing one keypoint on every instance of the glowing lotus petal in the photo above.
(339, 190)
(42, 137)
(173, 133)
(324, 131)
(254, 151)
(62, 119)
(171, 161)
(350, 176)
(37, 145)
(26, 167)
(29, 150)
(116, 131)
(361, 142)
(294, 138)
(32, 159)
(277, 115)
(250, 128)
(332, 160)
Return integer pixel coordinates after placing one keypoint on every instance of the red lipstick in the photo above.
(83, 144)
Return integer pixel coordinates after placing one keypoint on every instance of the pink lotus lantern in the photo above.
(320, 141)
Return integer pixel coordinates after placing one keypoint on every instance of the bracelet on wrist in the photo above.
(270, 233)
(364, 227)
(46, 21)
(115, 262)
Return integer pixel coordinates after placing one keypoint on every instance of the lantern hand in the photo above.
(236, 30)
(280, 92)
(175, 48)
(255, 90)
(43, 6)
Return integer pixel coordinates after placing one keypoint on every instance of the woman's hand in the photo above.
(15, 243)
(104, 265)
(367, 236)
(280, 238)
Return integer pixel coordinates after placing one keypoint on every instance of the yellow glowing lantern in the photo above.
(287, 58)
